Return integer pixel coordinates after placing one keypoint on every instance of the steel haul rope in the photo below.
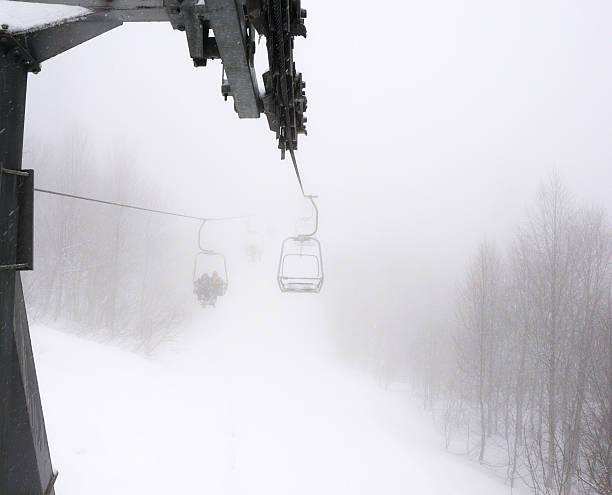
(133, 207)
(297, 172)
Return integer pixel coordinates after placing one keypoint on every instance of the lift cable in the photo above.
(124, 205)
(297, 172)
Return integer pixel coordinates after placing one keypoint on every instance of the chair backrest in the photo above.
(300, 266)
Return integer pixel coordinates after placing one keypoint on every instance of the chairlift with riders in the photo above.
(210, 278)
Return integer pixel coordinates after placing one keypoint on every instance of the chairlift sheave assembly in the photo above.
(210, 279)
(300, 267)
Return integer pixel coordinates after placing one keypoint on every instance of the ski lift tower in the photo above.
(31, 33)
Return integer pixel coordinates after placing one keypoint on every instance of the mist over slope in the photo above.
(248, 398)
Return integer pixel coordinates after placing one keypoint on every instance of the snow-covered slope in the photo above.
(247, 400)
(221, 413)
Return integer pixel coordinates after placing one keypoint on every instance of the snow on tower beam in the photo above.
(38, 45)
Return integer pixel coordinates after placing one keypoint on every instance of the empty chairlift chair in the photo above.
(300, 267)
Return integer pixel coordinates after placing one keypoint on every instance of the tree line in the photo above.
(103, 270)
(523, 371)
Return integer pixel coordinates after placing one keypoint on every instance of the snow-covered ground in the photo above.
(241, 402)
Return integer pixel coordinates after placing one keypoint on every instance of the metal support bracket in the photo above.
(51, 484)
(21, 52)
(24, 220)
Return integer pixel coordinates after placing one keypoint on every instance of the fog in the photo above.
(432, 127)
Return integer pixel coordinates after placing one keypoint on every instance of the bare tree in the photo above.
(595, 464)
(479, 314)
(534, 348)
(90, 273)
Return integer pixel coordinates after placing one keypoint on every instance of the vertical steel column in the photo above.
(25, 464)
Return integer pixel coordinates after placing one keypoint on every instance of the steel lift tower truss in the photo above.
(215, 29)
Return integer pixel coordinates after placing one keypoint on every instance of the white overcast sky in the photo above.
(430, 126)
